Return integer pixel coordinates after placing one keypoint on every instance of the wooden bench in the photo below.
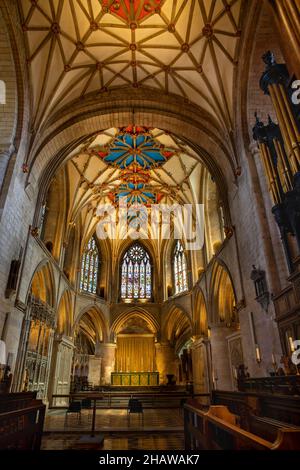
(267, 427)
(217, 429)
(278, 407)
(21, 421)
(16, 401)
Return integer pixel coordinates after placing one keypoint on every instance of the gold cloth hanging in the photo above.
(135, 353)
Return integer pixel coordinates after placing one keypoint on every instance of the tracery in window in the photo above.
(180, 268)
(89, 267)
(136, 274)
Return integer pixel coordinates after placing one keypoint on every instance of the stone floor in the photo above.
(161, 430)
(118, 441)
(115, 420)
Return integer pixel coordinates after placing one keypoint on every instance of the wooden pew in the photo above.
(21, 421)
(217, 429)
(267, 427)
(16, 401)
(277, 407)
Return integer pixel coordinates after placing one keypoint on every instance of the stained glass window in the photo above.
(180, 268)
(89, 267)
(136, 274)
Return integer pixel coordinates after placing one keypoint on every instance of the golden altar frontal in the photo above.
(135, 378)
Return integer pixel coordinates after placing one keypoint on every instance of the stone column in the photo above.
(107, 352)
(60, 371)
(201, 379)
(287, 14)
(15, 335)
(166, 361)
(94, 376)
(4, 158)
(262, 226)
(221, 373)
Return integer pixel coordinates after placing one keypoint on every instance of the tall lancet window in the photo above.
(136, 274)
(180, 268)
(90, 267)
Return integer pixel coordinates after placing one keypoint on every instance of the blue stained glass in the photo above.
(136, 281)
(124, 281)
(129, 280)
(142, 280)
(136, 274)
(179, 267)
(89, 267)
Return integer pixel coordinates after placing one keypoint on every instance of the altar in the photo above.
(135, 378)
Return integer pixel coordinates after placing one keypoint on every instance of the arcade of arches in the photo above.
(150, 104)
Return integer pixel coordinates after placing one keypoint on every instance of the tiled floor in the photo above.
(162, 430)
(118, 441)
(115, 420)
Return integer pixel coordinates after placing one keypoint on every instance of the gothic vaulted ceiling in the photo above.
(183, 47)
(146, 168)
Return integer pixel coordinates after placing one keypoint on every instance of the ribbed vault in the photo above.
(188, 48)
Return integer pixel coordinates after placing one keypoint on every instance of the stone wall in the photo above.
(254, 240)
(8, 109)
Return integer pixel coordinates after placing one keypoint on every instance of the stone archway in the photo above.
(134, 333)
(223, 325)
(35, 348)
(90, 335)
(71, 129)
(62, 352)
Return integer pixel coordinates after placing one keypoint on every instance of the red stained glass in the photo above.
(136, 274)
(89, 267)
(180, 269)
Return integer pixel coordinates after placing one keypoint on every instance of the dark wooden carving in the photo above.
(21, 421)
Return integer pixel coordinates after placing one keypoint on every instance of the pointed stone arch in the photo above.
(42, 284)
(200, 315)
(65, 314)
(96, 320)
(177, 327)
(55, 232)
(138, 312)
(222, 296)
(36, 338)
(149, 249)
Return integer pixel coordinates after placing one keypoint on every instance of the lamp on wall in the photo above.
(291, 344)
(214, 378)
(2, 359)
(257, 354)
(256, 345)
(2, 353)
